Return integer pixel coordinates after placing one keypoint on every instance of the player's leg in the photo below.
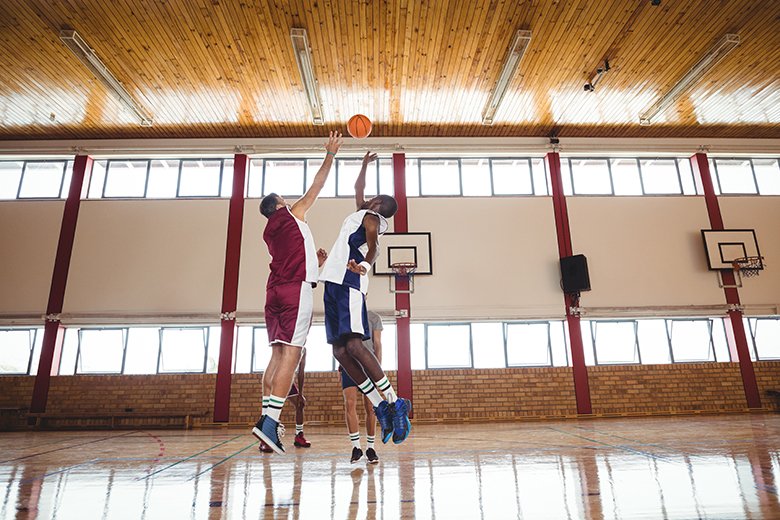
(299, 403)
(371, 455)
(351, 418)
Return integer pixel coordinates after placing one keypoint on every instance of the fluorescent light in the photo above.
(709, 60)
(300, 42)
(83, 52)
(516, 51)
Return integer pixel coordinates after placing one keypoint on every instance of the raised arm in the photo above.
(371, 223)
(360, 182)
(303, 204)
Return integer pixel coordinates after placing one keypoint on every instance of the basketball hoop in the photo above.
(748, 266)
(402, 271)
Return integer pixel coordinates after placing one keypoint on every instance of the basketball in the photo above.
(359, 126)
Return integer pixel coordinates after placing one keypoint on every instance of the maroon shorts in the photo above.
(288, 311)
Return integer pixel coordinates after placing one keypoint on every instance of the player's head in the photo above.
(271, 203)
(385, 205)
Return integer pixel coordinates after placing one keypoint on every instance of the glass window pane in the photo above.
(126, 179)
(143, 347)
(488, 345)
(15, 350)
(767, 175)
(227, 178)
(70, 347)
(254, 185)
(36, 358)
(66, 180)
(261, 351)
(449, 346)
(412, 178)
(283, 177)
(183, 350)
(348, 170)
(101, 351)
(591, 177)
(389, 345)
(10, 175)
(719, 343)
(511, 177)
(312, 167)
(97, 179)
(528, 344)
(767, 338)
(615, 342)
(476, 177)
(735, 176)
(417, 347)
(163, 178)
(560, 348)
(659, 176)
(587, 341)
(386, 177)
(439, 177)
(319, 354)
(42, 179)
(242, 350)
(715, 185)
(540, 177)
(686, 176)
(653, 342)
(212, 353)
(691, 340)
(200, 178)
(625, 176)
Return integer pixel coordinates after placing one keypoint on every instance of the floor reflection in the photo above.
(676, 468)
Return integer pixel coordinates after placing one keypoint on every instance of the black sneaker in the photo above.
(372, 457)
(357, 454)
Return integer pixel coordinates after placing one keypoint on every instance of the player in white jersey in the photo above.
(345, 274)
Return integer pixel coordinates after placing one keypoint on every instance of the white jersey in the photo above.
(350, 245)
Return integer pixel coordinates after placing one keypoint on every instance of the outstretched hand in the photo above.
(369, 158)
(356, 268)
(322, 255)
(334, 142)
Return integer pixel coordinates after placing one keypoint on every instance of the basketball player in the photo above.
(345, 274)
(349, 389)
(298, 399)
(288, 305)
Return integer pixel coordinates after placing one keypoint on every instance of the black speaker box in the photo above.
(574, 274)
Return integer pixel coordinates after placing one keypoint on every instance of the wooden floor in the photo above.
(722, 467)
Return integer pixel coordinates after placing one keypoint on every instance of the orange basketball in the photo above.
(359, 126)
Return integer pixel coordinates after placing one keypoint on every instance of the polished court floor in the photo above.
(723, 467)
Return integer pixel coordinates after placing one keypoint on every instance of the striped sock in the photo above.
(386, 388)
(370, 439)
(355, 439)
(275, 405)
(298, 428)
(265, 404)
(369, 390)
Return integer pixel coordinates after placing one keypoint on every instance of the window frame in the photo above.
(548, 324)
(716, 173)
(637, 350)
(426, 325)
(710, 327)
(609, 172)
(681, 193)
(753, 328)
(178, 182)
(125, 336)
(146, 181)
(33, 338)
(207, 331)
(44, 161)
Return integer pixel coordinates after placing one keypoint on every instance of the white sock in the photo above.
(369, 390)
(386, 388)
(265, 404)
(355, 439)
(370, 439)
(298, 428)
(275, 405)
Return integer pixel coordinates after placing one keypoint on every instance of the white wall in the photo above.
(492, 258)
(29, 232)
(148, 256)
(324, 220)
(643, 251)
(763, 215)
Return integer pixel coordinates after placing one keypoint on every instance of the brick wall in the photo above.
(768, 378)
(665, 388)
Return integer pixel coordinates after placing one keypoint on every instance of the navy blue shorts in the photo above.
(345, 312)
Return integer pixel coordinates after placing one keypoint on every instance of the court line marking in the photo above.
(223, 460)
(63, 470)
(188, 458)
(66, 447)
(624, 448)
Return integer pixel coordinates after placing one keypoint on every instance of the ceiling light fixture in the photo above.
(300, 42)
(516, 51)
(709, 60)
(84, 52)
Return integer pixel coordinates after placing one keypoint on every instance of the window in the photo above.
(686, 176)
(412, 178)
(126, 179)
(512, 177)
(766, 337)
(261, 350)
(10, 177)
(386, 177)
(312, 167)
(615, 342)
(101, 351)
(476, 177)
(653, 342)
(143, 346)
(284, 177)
(439, 177)
(347, 171)
(625, 176)
(767, 176)
(735, 176)
(200, 178)
(489, 351)
(42, 180)
(163, 179)
(183, 350)
(691, 340)
(660, 177)
(539, 172)
(528, 344)
(448, 346)
(591, 176)
(16, 350)
(319, 354)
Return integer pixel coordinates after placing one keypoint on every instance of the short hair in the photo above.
(268, 204)
(388, 206)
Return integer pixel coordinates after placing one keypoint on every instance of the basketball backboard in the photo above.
(724, 246)
(407, 248)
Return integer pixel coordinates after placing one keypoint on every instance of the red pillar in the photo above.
(230, 290)
(403, 309)
(580, 371)
(735, 326)
(53, 332)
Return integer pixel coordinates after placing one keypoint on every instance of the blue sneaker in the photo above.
(271, 433)
(401, 423)
(384, 414)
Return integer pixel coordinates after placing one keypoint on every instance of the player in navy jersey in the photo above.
(345, 274)
(288, 306)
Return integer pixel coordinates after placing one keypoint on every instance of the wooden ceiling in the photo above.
(225, 68)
